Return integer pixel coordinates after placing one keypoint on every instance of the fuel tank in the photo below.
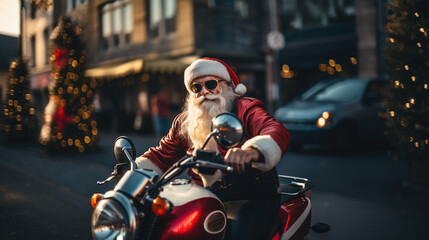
(197, 212)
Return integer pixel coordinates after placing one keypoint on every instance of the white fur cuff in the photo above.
(146, 163)
(269, 149)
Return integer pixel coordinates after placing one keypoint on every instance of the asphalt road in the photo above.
(47, 196)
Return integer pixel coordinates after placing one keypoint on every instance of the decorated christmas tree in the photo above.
(69, 121)
(408, 96)
(18, 121)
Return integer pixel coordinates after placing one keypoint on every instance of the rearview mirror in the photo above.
(120, 143)
(229, 130)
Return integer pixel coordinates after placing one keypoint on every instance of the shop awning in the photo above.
(116, 70)
(169, 65)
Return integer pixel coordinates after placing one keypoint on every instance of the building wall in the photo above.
(179, 43)
(316, 33)
(35, 27)
(229, 29)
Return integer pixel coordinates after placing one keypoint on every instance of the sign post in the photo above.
(275, 42)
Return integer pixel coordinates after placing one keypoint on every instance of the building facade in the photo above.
(37, 28)
(329, 39)
(137, 49)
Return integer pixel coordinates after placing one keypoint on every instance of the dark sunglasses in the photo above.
(209, 85)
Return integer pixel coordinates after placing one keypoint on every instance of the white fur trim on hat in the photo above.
(240, 89)
(269, 149)
(204, 67)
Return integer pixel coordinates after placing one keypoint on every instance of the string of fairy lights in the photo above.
(410, 80)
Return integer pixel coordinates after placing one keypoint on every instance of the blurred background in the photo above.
(343, 76)
(135, 49)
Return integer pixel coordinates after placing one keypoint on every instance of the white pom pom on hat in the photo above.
(214, 67)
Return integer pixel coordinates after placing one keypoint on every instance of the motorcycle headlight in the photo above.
(114, 219)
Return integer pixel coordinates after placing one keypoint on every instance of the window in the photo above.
(162, 17)
(305, 14)
(72, 4)
(116, 23)
(47, 41)
(33, 11)
(242, 7)
(33, 51)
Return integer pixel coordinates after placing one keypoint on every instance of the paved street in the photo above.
(47, 196)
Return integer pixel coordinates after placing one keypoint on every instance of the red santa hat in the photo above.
(214, 67)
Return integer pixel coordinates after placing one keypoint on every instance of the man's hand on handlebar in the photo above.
(238, 158)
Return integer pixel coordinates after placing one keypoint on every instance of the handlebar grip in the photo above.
(219, 159)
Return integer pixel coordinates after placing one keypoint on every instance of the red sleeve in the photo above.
(171, 148)
(258, 122)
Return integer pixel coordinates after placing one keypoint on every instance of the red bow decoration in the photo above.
(61, 119)
(60, 57)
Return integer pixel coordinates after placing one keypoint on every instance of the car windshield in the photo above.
(338, 91)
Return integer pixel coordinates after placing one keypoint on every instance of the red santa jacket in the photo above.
(262, 132)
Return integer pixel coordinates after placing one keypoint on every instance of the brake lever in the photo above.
(119, 171)
(109, 179)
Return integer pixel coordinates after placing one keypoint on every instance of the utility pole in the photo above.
(275, 42)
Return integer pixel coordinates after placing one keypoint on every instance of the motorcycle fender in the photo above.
(295, 216)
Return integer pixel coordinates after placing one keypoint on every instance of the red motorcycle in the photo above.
(144, 205)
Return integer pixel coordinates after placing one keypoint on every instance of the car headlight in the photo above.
(114, 218)
(324, 120)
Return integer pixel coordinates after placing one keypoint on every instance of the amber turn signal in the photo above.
(160, 207)
(95, 199)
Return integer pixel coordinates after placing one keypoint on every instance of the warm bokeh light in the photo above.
(285, 68)
(321, 122)
(326, 115)
(338, 67)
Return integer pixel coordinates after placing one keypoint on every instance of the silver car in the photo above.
(339, 113)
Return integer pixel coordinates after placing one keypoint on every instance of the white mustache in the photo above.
(208, 97)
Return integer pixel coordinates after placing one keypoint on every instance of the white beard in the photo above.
(198, 114)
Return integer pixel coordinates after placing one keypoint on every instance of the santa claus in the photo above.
(249, 195)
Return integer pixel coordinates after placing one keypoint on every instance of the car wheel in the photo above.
(345, 138)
